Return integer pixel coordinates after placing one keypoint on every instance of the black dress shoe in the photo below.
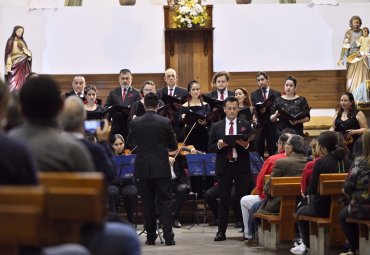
(150, 242)
(169, 242)
(176, 223)
(220, 236)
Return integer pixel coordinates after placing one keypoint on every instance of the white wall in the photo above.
(99, 38)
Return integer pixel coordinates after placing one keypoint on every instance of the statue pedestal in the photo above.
(365, 108)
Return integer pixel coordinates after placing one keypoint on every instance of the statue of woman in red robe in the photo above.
(17, 59)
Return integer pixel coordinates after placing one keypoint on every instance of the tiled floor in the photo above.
(199, 240)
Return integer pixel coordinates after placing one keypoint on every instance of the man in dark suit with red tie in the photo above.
(232, 163)
(124, 95)
(153, 135)
(220, 80)
(172, 89)
(264, 94)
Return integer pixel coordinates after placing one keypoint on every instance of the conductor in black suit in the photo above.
(268, 135)
(172, 89)
(220, 80)
(153, 136)
(124, 95)
(232, 163)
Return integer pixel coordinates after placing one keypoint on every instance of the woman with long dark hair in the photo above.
(293, 105)
(17, 59)
(199, 135)
(349, 121)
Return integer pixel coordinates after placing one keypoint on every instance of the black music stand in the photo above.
(201, 165)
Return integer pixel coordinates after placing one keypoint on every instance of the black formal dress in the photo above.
(293, 107)
(199, 135)
(119, 120)
(153, 136)
(343, 125)
(235, 170)
(268, 136)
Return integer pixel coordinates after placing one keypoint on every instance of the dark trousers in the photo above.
(157, 192)
(269, 135)
(211, 199)
(180, 190)
(243, 186)
(304, 226)
(129, 193)
(349, 229)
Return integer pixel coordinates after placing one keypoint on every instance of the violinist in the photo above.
(180, 181)
(123, 187)
(198, 136)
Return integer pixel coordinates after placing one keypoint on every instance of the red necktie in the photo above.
(264, 95)
(124, 95)
(222, 96)
(171, 92)
(230, 149)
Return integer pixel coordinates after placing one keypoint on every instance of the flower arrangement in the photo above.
(190, 13)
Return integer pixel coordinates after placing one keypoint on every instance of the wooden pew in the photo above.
(21, 217)
(72, 200)
(364, 234)
(327, 231)
(275, 228)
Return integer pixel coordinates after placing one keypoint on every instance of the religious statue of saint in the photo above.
(357, 63)
(17, 59)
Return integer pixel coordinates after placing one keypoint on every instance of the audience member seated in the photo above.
(333, 160)
(180, 185)
(19, 169)
(356, 188)
(41, 105)
(125, 187)
(247, 201)
(13, 116)
(292, 165)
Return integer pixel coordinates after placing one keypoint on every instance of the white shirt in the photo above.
(169, 90)
(219, 94)
(235, 127)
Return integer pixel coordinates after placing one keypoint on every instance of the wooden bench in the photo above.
(72, 201)
(277, 228)
(21, 217)
(326, 232)
(364, 234)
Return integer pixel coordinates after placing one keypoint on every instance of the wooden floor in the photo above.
(199, 240)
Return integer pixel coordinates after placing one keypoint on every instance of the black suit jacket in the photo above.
(218, 132)
(153, 135)
(115, 97)
(214, 94)
(178, 93)
(256, 97)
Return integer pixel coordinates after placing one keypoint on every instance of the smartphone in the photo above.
(92, 125)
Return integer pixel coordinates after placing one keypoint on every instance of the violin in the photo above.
(126, 152)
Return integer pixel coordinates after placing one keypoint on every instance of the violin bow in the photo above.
(183, 143)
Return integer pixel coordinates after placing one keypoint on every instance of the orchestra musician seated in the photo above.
(125, 187)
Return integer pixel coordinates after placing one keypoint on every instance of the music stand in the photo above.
(201, 165)
(125, 166)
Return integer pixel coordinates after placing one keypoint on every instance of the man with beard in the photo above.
(263, 99)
